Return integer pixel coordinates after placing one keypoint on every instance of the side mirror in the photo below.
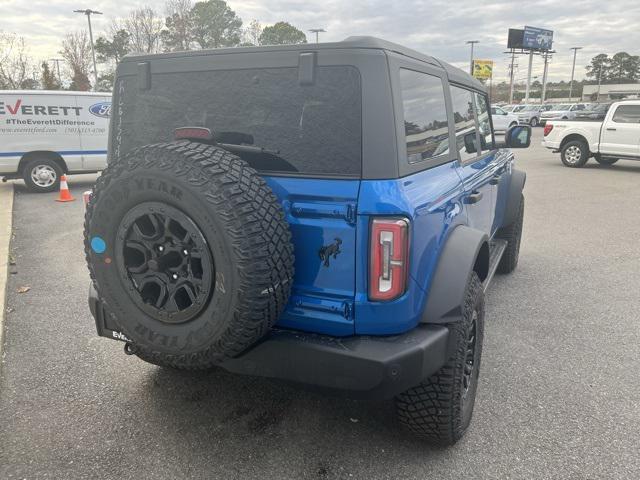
(518, 136)
(470, 142)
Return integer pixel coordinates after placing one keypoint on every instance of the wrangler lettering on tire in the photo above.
(198, 262)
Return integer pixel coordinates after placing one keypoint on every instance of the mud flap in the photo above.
(106, 323)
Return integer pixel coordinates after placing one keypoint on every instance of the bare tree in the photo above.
(144, 27)
(76, 50)
(251, 33)
(179, 22)
(16, 66)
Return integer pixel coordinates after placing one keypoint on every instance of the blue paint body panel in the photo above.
(334, 299)
(318, 213)
(432, 201)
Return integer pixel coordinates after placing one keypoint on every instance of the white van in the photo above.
(44, 134)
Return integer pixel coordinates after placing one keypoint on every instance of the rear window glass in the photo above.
(302, 129)
(627, 114)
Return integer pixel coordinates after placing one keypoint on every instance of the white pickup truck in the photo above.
(615, 138)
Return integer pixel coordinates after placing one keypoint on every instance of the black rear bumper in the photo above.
(358, 367)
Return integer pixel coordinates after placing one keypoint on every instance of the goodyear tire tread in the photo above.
(513, 235)
(254, 224)
(433, 410)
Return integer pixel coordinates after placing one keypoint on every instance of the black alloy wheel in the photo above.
(470, 358)
(164, 259)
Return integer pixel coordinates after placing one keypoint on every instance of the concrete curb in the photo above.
(6, 214)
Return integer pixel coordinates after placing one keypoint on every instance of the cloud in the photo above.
(437, 27)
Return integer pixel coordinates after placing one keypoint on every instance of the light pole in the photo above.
(472, 43)
(317, 31)
(599, 83)
(547, 57)
(513, 56)
(88, 13)
(573, 69)
(528, 88)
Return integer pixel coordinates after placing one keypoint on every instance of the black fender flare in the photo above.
(518, 179)
(466, 250)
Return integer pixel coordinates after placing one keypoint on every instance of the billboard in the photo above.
(537, 38)
(515, 38)
(483, 69)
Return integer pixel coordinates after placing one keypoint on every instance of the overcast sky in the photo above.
(437, 27)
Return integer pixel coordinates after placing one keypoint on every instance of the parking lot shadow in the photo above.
(215, 411)
(77, 184)
(631, 166)
(620, 167)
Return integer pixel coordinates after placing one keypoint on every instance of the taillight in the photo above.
(547, 129)
(192, 133)
(389, 258)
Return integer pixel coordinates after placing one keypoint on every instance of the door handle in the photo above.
(474, 197)
(611, 129)
(495, 180)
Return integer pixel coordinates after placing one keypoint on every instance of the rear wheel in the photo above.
(534, 122)
(574, 154)
(513, 235)
(42, 175)
(606, 161)
(440, 408)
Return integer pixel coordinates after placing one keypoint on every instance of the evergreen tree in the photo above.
(49, 80)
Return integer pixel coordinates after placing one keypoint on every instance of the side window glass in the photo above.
(462, 102)
(484, 124)
(425, 115)
(627, 114)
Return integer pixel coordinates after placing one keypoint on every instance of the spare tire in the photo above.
(189, 250)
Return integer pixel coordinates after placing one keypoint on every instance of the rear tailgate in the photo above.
(554, 132)
(322, 218)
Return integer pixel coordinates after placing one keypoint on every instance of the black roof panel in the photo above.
(454, 73)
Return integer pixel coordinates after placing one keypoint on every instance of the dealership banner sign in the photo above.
(483, 69)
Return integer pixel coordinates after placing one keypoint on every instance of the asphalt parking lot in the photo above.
(558, 395)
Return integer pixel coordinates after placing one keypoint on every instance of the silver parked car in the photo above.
(502, 120)
(565, 111)
(528, 114)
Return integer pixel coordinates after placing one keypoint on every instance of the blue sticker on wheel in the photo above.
(98, 245)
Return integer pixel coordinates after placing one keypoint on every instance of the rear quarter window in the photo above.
(484, 122)
(425, 115)
(465, 123)
(305, 129)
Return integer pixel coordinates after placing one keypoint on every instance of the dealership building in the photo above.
(610, 92)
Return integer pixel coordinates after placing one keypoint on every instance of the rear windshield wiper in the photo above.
(247, 149)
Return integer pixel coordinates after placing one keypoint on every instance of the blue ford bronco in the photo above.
(324, 214)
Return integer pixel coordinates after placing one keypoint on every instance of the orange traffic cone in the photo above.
(65, 194)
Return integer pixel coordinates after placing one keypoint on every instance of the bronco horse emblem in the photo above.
(331, 250)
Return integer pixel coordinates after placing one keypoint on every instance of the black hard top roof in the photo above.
(454, 73)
